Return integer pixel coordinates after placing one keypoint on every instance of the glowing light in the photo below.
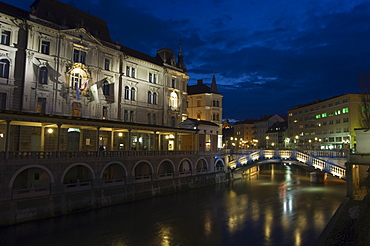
(120, 134)
(50, 130)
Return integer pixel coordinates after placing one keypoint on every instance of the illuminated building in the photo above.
(243, 133)
(59, 61)
(205, 103)
(325, 124)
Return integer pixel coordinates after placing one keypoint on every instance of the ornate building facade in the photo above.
(64, 63)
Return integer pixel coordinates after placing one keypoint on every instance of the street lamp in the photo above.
(267, 142)
(296, 141)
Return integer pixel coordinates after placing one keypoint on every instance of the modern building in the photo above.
(205, 103)
(325, 124)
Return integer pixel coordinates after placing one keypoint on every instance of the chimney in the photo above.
(200, 81)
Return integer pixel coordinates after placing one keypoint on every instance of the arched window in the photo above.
(173, 100)
(127, 92)
(173, 121)
(154, 98)
(133, 94)
(43, 75)
(149, 97)
(4, 68)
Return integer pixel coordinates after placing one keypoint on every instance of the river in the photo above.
(277, 206)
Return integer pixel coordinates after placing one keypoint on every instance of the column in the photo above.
(128, 140)
(58, 139)
(42, 140)
(176, 142)
(111, 141)
(97, 139)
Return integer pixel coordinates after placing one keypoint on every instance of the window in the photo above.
(345, 119)
(107, 89)
(126, 114)
(337, 121)
(173, 100)
(133, 72)
(218, 103)
(133, 94)
(150, 77)
(76, 109)
(2, 101)
(127, 71)
(127, 92)
(5, 37)
(345, 129)
(107, 64)
(154, 119)
(76, 81)
(41, 105)
(4, 68)
(132, 115)
(173, 83)
(149, 118)
(105, 113)
(330, 122)
(331, 139)
(149, 97)
(45, 47)
(345, 110)
(154, 78)
(154, 98)
(79, 56)
(199, 103)
(173, 121)
(43, 75)
(338, 139)
(338, 130)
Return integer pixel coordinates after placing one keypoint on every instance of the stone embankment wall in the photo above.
(23, 210)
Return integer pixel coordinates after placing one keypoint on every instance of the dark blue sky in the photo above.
(267, 55)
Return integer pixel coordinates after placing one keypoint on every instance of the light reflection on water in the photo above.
(279, 206)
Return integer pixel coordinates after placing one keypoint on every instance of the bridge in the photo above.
(332, 162)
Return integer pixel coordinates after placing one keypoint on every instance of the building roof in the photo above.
(246, 121)
(13, 11)
(201, 88)
(68, 17)
(190, 123)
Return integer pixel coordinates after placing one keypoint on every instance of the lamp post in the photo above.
(267, 142)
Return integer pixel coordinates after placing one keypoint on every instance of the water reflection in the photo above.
(279, 206)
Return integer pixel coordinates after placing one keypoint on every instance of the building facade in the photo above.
(261, 128)
(64, 63)
(325, 124)
(205, 103)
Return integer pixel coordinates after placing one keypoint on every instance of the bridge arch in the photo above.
(219, 165)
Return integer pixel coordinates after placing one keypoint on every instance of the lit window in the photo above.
(173, 100)
(41, 105)
(76, 81)
(345, 110)
(76, 109)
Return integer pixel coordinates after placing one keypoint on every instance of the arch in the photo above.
(201, 165)
(127, 92)
(31, 181)
(142, 168)
(173, 100)
(185, 166)
(77, 173)
(165, 167)
(112, 170)
(12, 179)
(219, 165)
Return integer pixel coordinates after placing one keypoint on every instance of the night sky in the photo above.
(267, 55)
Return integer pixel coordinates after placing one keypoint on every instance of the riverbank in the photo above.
(349, 225)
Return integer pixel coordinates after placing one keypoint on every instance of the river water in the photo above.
(277, 206)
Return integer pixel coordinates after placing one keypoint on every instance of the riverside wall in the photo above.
(29, 209)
